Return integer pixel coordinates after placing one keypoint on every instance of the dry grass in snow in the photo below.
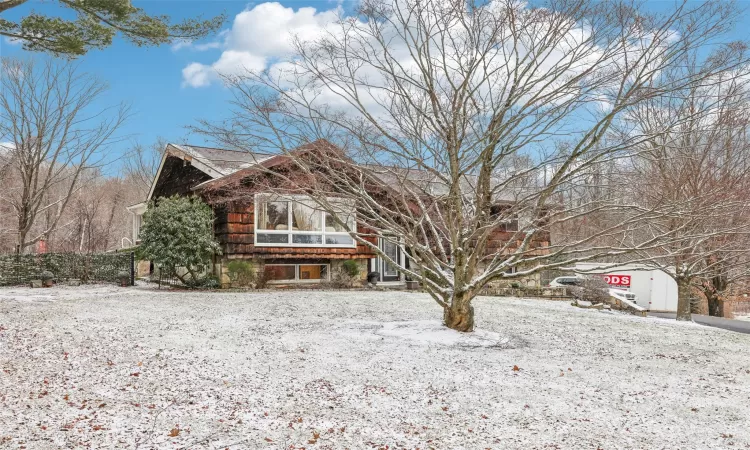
(132, 368)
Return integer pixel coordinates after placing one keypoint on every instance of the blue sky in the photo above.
(151, 80)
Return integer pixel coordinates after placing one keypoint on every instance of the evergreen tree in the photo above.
(177, 232)
(95, 24)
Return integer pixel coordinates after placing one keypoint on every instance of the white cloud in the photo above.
(268, 28)
(234, 61)
(258, 36)
(189, 45)
(261, 38)
(207, 46)
(196, 75)
(180, 44)
(231, 62)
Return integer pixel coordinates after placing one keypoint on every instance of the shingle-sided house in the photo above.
(287, 239)
(284, 235)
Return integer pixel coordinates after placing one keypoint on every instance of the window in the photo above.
(305, 217)
(296, 221)
(278, 272)
(333, 226)
(512, 224)
(313, 272)
(274, 216)
(266, 238)
(296, 272)
(137, 222)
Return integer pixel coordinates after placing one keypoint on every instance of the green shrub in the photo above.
(177, 233)
(351, 267)
(241, 273)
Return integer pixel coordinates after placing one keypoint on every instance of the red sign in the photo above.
(617, 280)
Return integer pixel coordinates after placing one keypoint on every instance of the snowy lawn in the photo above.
(133, 368)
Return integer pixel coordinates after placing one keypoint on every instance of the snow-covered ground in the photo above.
(134, 368)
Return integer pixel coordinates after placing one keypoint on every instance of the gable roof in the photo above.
(214, 162)
(227, 169)
(223, 161)
(422, 180)
(267, 162)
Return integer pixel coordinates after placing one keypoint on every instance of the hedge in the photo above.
(96, 267)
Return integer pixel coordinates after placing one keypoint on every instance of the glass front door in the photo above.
(389, 272)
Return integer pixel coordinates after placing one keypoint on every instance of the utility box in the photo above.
(656, 290)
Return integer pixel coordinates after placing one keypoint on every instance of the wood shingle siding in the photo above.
(177, 177)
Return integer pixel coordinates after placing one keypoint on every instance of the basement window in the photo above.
(296, 273)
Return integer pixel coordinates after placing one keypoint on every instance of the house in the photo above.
(288, 239)
(285, 235)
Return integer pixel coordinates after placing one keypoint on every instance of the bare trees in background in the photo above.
(142, 163)
(97, 219)
(57, 132)
(696, 167)
(447, 111)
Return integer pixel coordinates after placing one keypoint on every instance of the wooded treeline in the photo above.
(62, 188)
(94, 220)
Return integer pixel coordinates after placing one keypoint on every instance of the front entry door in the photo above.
(389, 272)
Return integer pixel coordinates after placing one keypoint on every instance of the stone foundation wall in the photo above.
(338, 264)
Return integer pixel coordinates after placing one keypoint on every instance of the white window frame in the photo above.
(262, 198)
(297, 279)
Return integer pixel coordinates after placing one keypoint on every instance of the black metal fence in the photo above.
(167, 277)
(18, 269)
(164, 277)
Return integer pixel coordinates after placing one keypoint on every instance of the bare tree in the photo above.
(435, 104)
(96, 218)
(699, 172)
(142, 163)
(48, 111)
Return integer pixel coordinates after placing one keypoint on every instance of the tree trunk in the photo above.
(177, 274)
(715, 305)
(460, 315)
(683, 299)
(717, 285)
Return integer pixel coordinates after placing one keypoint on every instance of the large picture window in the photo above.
(296, 222)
